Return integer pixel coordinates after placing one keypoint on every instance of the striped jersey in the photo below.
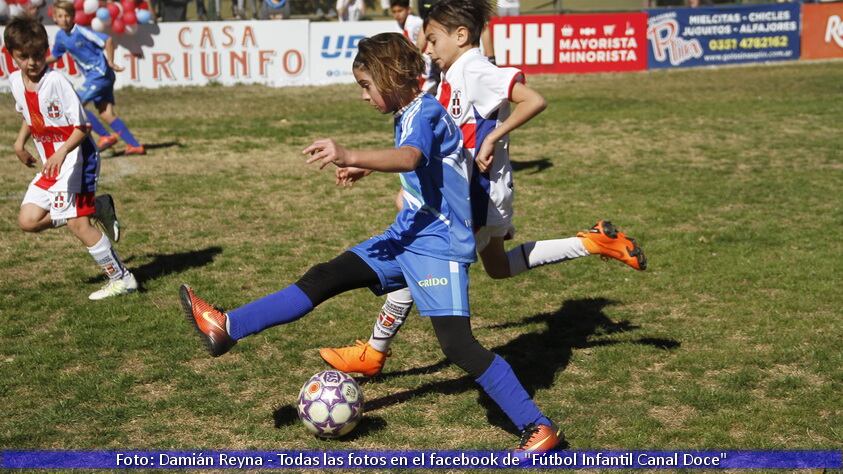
(52, 112)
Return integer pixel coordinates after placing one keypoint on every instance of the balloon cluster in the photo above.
(121, 17)
(13, 8)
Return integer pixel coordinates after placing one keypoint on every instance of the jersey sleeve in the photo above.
(492, 86)
(417, 132)
(70, 103)
(58, 48)
(95, 37)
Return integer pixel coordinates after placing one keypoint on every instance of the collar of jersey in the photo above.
(404, 109)
(465, 57)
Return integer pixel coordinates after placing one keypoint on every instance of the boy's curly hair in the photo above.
(26, 35)
(394, 63)
(452, 14)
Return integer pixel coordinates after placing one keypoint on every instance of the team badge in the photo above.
(387, 320)
(60, 201)
(54, 109)
(456, 104)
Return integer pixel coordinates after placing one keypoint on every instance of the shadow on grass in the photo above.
(147, 146)
(536, 165)
(286, 415)
(166, 264)
(536, 357)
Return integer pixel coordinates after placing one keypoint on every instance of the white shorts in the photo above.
(62, 205)
(484, 235)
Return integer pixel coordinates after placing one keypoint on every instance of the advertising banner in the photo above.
(194, 54)
(709, 36)
(822, 31)
(334, 45)
(572, 43)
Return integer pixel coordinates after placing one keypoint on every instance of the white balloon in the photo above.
(16, 10)
(4, 8)
(97, 25)
(36, 3)
(131, 29)
(90, 6)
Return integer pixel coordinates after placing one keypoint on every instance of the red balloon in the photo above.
(128, 5)
(117, 26)
(143, 6)
(129, 18)
(78, 5)
(113, 10)
(81, 18)
(50, 11)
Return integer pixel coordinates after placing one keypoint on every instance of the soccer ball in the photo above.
(330, 404)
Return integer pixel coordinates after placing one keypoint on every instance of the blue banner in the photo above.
(688, 37)
(427, 459)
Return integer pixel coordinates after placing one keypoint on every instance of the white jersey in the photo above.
(354, 9)
(412, 27)
(476, 94)
(52, 112)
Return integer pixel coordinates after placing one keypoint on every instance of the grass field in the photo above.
(730, 178)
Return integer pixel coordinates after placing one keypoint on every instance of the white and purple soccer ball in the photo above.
(330, 404)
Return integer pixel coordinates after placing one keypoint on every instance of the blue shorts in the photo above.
(99, 90)
(439, 287)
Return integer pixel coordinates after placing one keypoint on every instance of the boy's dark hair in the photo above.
(452, 14)
(394, 63)
(27, 35)
(399, 3)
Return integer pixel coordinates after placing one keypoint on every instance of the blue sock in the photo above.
(281, 307)
(124, 132)
(500, 383)
(98, 127)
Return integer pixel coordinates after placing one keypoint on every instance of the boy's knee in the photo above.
(27, 225)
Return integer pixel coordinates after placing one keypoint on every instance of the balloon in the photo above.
(78, 5)
(143, 5)
(103, 15)
(144, 16)
(117, 26)
(36, 3)
(49, 11)
(128, 5)
(131, 29)
(81, 18)
(98, 25)
(4, 8)
(90, 6)
(114, 9)
(129, 18)
(16, 10)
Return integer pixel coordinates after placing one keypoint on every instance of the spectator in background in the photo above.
(350, 10)
(201, 11)
(509, 7)
(173, 10)
(275, 9)
(238, 9)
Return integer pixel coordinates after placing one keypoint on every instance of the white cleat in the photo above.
(123, 286)
(106, 217)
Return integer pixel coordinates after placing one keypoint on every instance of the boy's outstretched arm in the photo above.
(109, 55)
(327, 151)
(20, 147)
(528, 104)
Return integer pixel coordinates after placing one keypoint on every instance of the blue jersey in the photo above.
(436, 217)
(86, 47)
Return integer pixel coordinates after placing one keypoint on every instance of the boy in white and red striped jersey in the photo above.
(63, 192)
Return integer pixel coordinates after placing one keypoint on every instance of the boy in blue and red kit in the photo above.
(63, 192)
(428, 248)
(94, 54)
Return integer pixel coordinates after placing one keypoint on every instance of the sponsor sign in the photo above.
(822, 31)
(198, 53)
(709, 36)
(334, 45)
(572, 43)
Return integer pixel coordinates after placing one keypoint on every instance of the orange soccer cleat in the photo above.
(106, 141)
(135, 150)
(605, 240)
(539, 438)
(360, 358)
(208, 321)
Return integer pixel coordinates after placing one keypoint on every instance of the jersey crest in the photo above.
(456, 104)
(54, 108)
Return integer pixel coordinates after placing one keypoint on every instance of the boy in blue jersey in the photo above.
(428, 248)
(94, 54)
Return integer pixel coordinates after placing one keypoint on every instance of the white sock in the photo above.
(107, 259)
(395, 310)
(59, 222)
(535, 254)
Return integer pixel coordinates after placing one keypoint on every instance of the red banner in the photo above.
(822, 31)
(572, 43)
